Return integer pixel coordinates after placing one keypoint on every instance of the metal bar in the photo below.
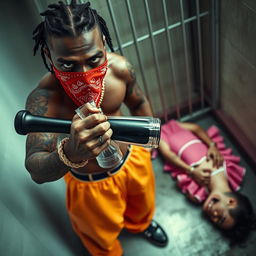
(162, 30)
(153, 45)
(195, 114)
(138, 50)
(186, 57)
(201, 78)
(169, 42)
(215, 52)
(113, 19)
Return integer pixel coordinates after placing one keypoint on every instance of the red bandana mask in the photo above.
(84, 87)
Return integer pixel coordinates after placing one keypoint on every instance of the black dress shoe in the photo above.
(155, 234)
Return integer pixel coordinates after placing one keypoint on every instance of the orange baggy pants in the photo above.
(99, 210)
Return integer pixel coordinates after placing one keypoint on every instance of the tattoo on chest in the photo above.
(37, 102)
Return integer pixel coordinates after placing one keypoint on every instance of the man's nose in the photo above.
(83, 68)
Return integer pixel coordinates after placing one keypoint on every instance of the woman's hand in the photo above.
(214, 154)
(201, 175)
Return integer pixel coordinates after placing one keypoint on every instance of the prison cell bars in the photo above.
(153, 45)
(200, 58)
(215, 52)
(151, 36)
(171, 59)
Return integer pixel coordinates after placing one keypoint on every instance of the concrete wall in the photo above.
(238, 63)
(33, 217)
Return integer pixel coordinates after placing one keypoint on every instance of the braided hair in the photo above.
(67, 20)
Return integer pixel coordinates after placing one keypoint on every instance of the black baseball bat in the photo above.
(134, 130)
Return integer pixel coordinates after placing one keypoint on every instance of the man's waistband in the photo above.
(102, 175)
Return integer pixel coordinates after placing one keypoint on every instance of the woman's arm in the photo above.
(172, 158)
(213, 152)
(198, 131)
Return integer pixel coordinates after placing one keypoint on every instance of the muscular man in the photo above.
(100, 202)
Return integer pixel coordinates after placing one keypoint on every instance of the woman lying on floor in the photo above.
(208, 173)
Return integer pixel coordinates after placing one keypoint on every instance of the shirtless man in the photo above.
(208, 173)
(100, 202)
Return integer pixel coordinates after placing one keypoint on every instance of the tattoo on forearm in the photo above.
(42, 159)
(45, 167)
(41, 141)
(37, 102)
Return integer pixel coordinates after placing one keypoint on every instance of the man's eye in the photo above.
(94, 60)
(67, 65)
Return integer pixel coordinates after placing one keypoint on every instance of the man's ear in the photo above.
(104, 40)
(47, 54)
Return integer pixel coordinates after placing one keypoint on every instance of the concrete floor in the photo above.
(189, 233)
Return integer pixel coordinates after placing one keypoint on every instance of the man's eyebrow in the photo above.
(99, 53)
(64, 60)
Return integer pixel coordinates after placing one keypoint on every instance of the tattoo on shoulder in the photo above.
(131, 70)
(37, 102)
(138, 91)
(132, 84)
(133, 90)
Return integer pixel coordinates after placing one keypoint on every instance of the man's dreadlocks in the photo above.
(67, 20)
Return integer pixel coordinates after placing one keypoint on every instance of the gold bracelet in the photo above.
(64, 158)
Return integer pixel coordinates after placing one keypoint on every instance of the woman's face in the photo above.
(217, 208)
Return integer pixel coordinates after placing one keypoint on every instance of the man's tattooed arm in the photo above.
(42, 160)
(135, 98)
(37, 102)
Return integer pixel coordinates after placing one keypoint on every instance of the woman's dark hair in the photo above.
(244, 217)
(67, 20)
